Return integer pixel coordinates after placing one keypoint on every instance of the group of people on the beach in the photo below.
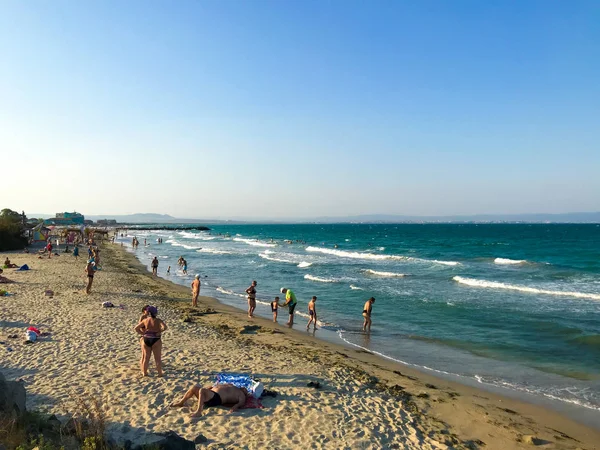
(291, 302)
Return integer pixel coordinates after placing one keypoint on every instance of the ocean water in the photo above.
(511, 306)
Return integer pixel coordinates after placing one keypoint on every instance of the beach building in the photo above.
(66, 219)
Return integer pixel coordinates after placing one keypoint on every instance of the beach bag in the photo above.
(30, 336)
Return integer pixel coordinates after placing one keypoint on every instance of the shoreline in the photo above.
(533, 408)
(576, 412)
(441, 412)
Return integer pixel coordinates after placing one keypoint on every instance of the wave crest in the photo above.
(254, 242)
(372, 256)
(384, 274)
(496, 285)
(507, 261)
(320, 279)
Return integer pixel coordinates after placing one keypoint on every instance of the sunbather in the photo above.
(8, 264)
(221, 394)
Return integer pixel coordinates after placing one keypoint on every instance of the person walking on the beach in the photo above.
(89, 271)
(49, 249)
(76, 252)
(312, 313)
(251, 291)
(155, 266)
(290, 302)
(195, 290)
(367, 310)
(151, 329)
(274, 306)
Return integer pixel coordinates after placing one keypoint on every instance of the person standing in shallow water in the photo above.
(251, 291)
(312, 313)
(195, 290)
(290, 302)
(155, 266)
(367, 310)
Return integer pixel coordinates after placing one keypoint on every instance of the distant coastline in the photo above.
(542, 218)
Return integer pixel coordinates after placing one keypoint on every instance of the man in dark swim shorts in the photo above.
(290, 302)
(221, 394)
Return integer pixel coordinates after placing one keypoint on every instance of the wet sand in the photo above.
(364, 402)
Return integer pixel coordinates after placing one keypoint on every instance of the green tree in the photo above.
(11, 230)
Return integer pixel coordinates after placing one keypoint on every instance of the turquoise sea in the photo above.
(515, 306)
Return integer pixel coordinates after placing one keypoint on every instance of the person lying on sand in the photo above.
(221, 394)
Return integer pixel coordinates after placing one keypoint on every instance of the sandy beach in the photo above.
(364, 402)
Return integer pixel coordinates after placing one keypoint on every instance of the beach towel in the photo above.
(255, 388)
(23, 267)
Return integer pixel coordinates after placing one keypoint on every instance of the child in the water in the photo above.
(274, 306)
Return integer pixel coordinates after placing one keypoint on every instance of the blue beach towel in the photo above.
(23, 267)
(242, 381)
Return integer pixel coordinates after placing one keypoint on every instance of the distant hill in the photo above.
(137, 218)
(584, 217)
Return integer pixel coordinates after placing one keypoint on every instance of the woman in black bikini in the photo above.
(251, 291)
(151, 329)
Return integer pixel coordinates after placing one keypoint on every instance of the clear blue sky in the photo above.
(300, 108)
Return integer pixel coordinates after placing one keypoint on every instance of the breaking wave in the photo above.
(384, 274)
(372, 256)
(320, 279)
(304, 264)
(174, 243)
(507, 261)
(213, 251)
(254, 242)
(272, 258)
(496, 285)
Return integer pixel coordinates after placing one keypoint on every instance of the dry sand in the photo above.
(365, 402)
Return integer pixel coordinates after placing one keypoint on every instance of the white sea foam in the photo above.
(272, 258)
(384, 274)
(496, 285)
(372, 256)
(356, 288)
(304, 264)
(507, 261)
(179, 244)
(534, 391)
(213, 251)
(204, 237)
(228, 292)
(446, 263)
(254, 242)
(320, 279)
